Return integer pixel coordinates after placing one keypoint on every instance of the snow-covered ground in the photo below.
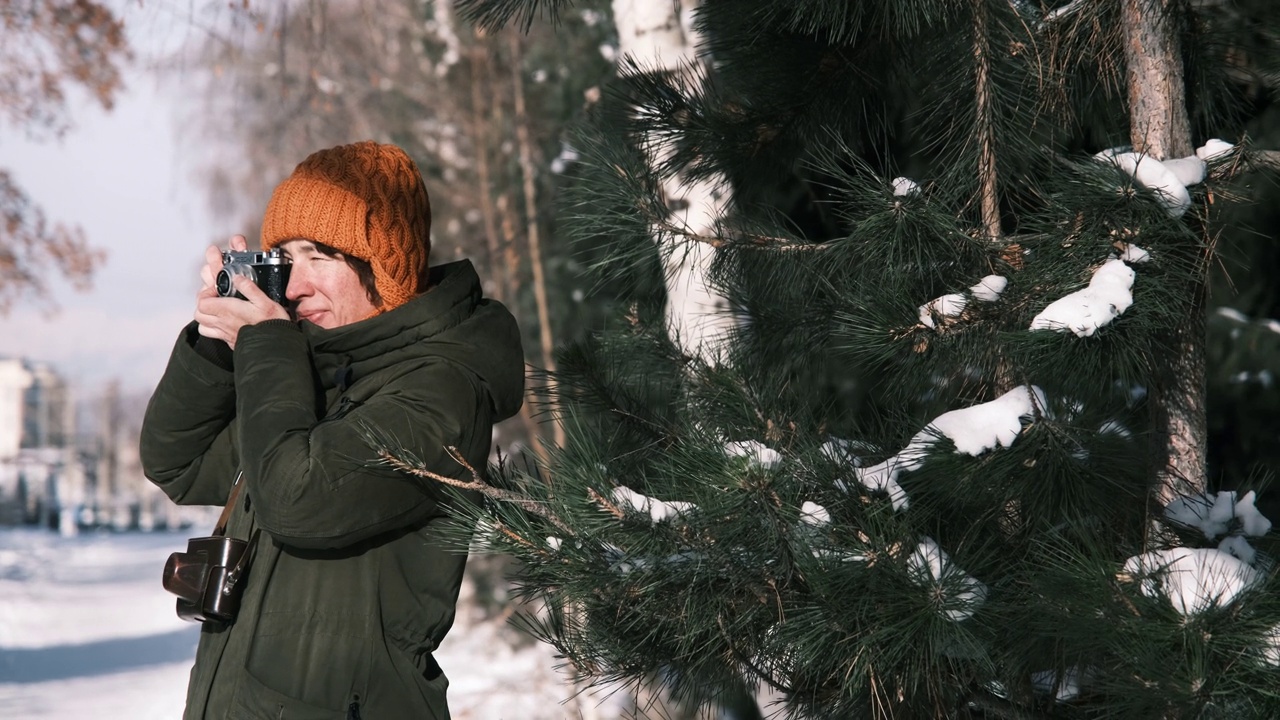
(86, 631)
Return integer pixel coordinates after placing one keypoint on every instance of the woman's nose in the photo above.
(299, 286)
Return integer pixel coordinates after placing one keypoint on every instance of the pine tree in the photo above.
(902, 411)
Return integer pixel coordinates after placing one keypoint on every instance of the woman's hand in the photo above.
(222, 317)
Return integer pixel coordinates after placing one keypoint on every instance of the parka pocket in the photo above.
(308, 663)
(255, 701)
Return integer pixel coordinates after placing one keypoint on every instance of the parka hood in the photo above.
(462, 326)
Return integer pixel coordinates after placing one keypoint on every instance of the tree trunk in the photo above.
(989, 187)
(1159, 127)
(525, 146)
(1158, 123)
(699, 318)
(480, 85)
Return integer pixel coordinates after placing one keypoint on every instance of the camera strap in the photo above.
(233, 576)
(221, 527)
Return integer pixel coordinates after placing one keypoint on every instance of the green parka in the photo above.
(349, 590)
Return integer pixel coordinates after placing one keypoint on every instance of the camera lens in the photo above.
(223, 283)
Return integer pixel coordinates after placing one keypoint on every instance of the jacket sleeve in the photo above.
(185, 445)
(319, 484)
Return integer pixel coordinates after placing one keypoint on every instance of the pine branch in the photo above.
(746, 661)
(753, 240)
(1063, 12)
(493, 15)
(994, 707)
(609, 507)
(477, 483)
(1269, 159)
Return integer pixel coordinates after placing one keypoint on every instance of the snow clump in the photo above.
(656, 509)
(757, 452)
(988, 289)
(1134, 254)
(1168, 179)
(1253, 522)
(974, 430)
(961, 594)
(1238, 547)
(1084, 311)
(905, 186)
(1214, 149)
(811, 513)
(947, 306)
(1192, 579)
(1214, 513)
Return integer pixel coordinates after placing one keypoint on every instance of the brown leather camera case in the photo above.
(206, 578)
(199, 577)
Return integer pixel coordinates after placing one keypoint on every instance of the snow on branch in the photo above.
(1191, 579)
(974, 430)
(755, 452)
(656, 509)
(814, 515)
(985, 426)
(1133, 254)
(958, 594)
(905, 187)
(1213, 514)
(950, 306)
(1238, 547)
(1168, 179)
(1084, 311)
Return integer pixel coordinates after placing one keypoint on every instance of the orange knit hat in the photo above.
(365, 200)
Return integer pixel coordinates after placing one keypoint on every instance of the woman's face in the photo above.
(324, 289)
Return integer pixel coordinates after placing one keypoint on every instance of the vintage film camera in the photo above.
(268, 270)
(206, 578)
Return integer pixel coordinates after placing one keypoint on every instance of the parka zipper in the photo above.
(353, 710)
(345, 405)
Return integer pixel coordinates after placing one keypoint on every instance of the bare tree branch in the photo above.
(476, 483)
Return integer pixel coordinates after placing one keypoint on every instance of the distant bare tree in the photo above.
(46, 48)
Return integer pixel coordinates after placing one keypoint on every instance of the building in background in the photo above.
(69, 463)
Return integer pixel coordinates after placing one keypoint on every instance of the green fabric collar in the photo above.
(391, 337)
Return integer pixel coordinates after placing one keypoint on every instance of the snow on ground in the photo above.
(87, 631)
